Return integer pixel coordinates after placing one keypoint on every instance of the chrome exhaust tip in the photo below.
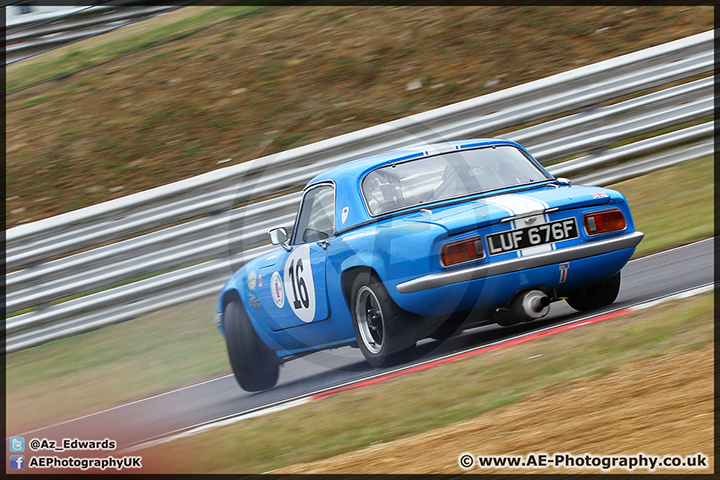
(524, 307)
(533, 304)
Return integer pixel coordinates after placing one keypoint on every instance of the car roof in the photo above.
(353, 171)
(350, 208)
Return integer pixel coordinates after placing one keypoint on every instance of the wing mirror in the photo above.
(279, 236)
(564, 181)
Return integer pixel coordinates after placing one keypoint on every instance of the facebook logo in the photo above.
(17, 462)
(17, 444)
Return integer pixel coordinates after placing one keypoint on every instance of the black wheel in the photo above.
(381, 327)
(255, 365)
(596, 296)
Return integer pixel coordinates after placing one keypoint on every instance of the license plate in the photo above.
(520, 238)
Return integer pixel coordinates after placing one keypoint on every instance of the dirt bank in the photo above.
(659, 407)
(285, 78)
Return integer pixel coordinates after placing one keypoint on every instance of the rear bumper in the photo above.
(590, 249)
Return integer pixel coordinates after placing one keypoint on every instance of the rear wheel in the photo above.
(381, 327)
(255, 365)
(596, 296)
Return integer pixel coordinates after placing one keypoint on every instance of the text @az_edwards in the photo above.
(586, 461)
(18, 460)
(69, 444)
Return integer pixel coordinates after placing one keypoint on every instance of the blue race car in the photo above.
(418, 243)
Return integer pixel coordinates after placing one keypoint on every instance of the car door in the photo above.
(298, 289)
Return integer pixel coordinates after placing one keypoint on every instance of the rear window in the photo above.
(451, 175)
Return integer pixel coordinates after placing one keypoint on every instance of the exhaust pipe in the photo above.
(524, 307)
(533, 304)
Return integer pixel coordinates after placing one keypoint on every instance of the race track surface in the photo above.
(644, 279)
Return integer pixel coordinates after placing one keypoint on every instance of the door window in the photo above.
(317, 215)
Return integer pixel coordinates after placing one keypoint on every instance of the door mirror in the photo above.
(279, 236)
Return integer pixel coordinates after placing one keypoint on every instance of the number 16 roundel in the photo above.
(299, 285)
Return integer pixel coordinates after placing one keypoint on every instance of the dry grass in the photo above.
(180, 345)
(471, 387)
(281, 79)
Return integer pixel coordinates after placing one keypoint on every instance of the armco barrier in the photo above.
(26, 37)
(177, 242)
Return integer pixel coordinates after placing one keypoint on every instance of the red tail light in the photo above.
(461, 251)
(604, 221)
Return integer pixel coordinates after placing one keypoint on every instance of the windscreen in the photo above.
(446, 176)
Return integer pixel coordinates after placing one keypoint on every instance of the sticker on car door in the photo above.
(299, 284)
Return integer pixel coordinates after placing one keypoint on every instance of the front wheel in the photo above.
(381, 327)
(255, 365)
(596, 296)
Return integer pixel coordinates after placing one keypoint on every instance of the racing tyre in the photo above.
(381, 327)
(255, 365)
(596, 296)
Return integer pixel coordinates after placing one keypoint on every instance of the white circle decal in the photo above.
(277, 290)
(299, 283)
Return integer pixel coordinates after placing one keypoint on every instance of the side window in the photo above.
(317, 215)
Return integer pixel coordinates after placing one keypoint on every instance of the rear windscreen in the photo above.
(451, 175)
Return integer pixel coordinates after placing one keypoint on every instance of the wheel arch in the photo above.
(227, 297)
(265, 335)
(348, 276)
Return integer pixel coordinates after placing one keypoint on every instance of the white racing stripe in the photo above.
(541, 220)
(293, 402)
(516, 204)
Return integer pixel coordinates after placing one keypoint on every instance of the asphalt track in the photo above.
(644, 279)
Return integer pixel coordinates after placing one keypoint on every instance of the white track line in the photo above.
(227, 421)
(663, 252)
(307, 398)
(677, 296)
(230, 375)
(125, 404)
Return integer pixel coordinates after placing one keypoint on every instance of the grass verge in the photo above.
(672, 206)
(76, 375)
(419, 402)
(277, 79)
(179, 346)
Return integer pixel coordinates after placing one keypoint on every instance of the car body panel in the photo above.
(306, 262)
(403, 249)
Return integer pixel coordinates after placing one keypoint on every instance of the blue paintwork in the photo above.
(405, 245)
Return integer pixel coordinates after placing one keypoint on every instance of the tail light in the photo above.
(461, 251)
(604, 221)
